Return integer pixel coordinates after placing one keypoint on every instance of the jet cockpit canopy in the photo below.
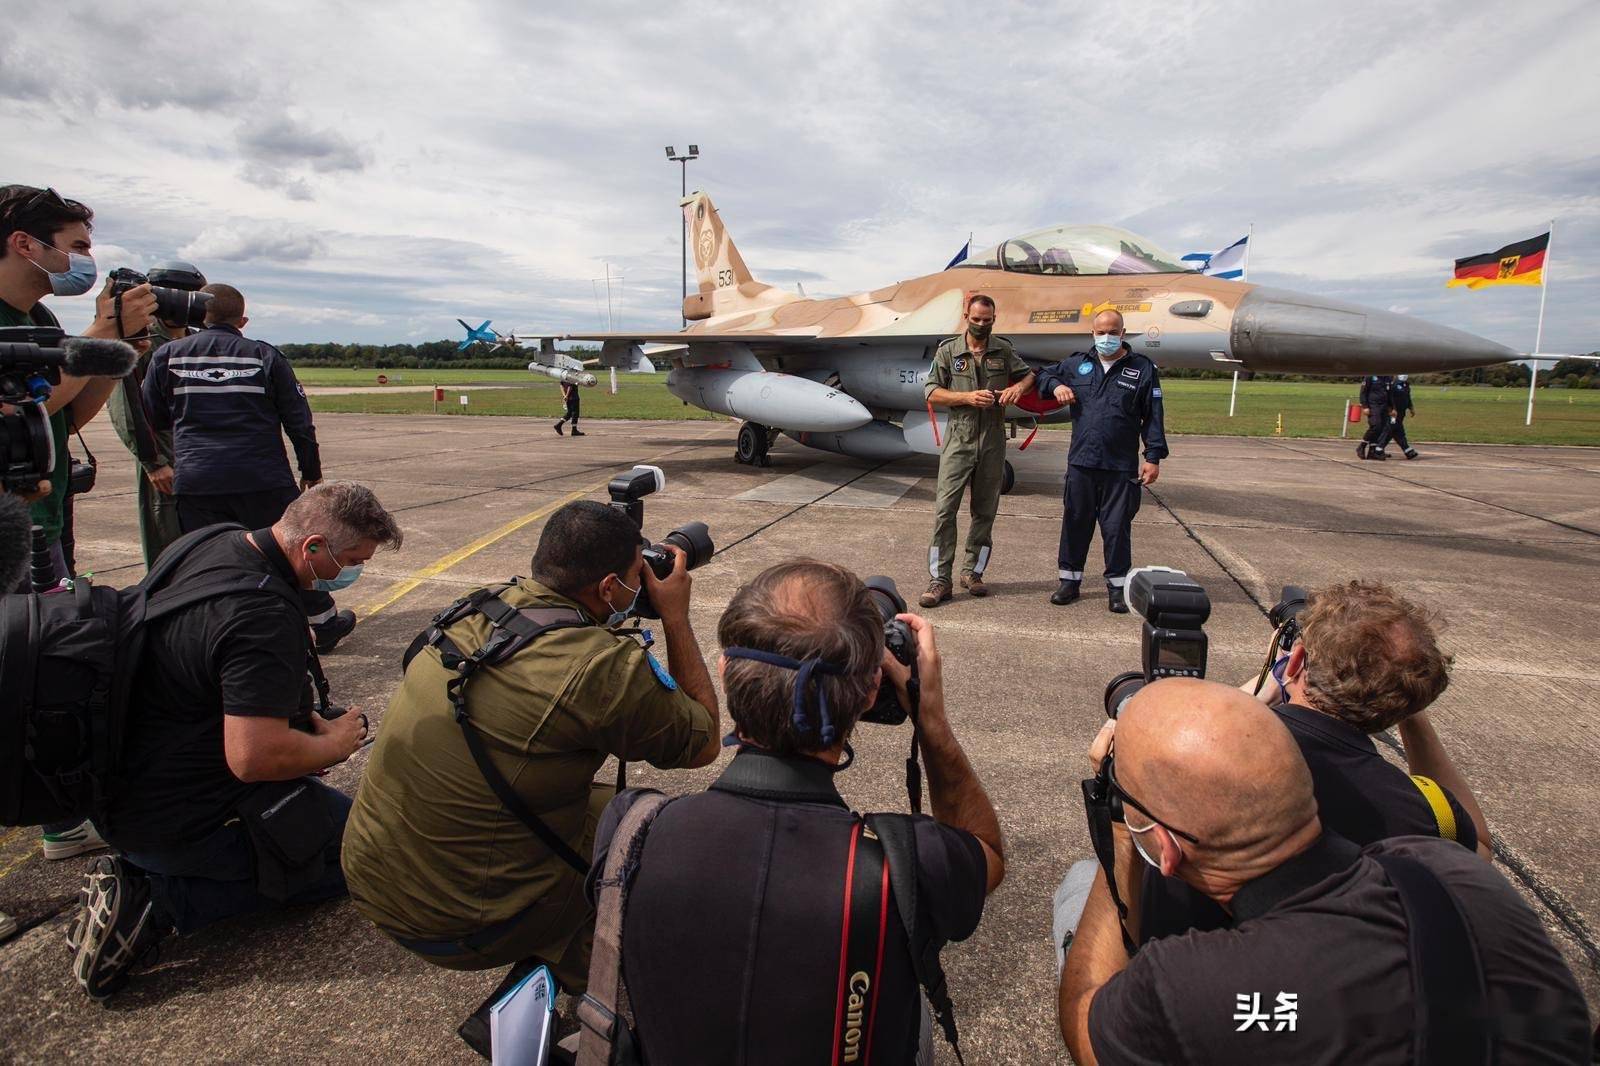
(1079, 250)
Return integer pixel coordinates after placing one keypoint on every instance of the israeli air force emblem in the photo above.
(215, 374)
(1086, 368)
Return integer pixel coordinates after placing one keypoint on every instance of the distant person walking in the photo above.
(1375, 402)
(1400, 403)
(229, 400)
(569, 393)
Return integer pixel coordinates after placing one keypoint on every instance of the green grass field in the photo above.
(1309, 409)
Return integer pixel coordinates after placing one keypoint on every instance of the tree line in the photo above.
(441, 355)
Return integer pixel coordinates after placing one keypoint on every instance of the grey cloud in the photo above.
(250, 241)
(285, 142)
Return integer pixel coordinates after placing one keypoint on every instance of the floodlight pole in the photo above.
(683, 194)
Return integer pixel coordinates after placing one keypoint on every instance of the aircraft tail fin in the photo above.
(725, 283)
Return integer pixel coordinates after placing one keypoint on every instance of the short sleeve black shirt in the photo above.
(1323, 974)
(731, 942)
(1360, 796)
(238, 654)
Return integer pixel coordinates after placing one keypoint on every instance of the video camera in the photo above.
(1173, 643)
(627, 493)
(176, 287)
(32, 359)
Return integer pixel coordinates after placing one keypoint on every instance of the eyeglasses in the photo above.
(1122, 794)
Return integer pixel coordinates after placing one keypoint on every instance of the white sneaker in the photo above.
(8, 926)
(81, 839)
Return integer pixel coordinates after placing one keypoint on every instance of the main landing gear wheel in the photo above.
(752, 447)
(1008, 480)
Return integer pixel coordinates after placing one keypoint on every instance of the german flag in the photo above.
(1515, 264)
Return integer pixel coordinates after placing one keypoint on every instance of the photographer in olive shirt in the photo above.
(431, 854)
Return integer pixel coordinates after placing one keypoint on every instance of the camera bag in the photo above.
(67, 664)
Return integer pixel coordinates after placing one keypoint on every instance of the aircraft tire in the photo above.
(1009, 481)
(752, 445)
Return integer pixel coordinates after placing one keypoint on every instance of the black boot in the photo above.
(1361, 450)
(1117, 603)
(1065, 593)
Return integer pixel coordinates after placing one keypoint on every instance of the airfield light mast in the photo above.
(683, 192)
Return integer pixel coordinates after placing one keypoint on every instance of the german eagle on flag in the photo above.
(1515, 264)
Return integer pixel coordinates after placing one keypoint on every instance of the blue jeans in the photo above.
(215, 878)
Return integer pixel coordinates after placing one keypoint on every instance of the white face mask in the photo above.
(619, 617)
(77, 279)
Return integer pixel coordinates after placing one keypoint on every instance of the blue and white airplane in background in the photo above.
(546, 361)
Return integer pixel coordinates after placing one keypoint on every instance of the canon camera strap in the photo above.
(861, 943)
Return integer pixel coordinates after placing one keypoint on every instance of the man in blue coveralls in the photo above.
(1114, 400)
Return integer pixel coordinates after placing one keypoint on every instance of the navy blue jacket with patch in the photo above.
(1114, 410)
(229, 400)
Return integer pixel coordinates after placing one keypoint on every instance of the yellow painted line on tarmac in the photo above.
(460, 554)
(434, 569)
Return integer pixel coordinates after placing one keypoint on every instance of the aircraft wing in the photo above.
(763, 339)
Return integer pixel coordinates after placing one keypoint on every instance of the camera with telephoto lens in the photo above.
(902, 644)
(693, 539)
(176, 287)
(1173, 643)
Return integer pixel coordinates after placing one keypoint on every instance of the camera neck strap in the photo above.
(807, 669)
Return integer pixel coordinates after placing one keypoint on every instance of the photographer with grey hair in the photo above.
(804, 889)
(215, 815)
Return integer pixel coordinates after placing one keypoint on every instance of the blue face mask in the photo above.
(346, 577)
(77, 279)
(1108, 345)
(619, 617)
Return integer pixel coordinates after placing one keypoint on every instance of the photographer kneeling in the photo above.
(466, 842)
(1365, 660)
(1409, 950)
(215, 816)
(761, 921)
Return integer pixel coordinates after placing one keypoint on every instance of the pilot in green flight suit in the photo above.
(975, 375)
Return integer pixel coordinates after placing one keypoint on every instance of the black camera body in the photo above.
(902, 644)
(693, 539)
(1285, 616)
(1173, 642)
(176, 288)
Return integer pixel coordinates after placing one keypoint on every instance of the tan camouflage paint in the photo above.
(730, 300)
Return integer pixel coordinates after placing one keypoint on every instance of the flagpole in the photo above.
(1538, 337)
(1233, 397)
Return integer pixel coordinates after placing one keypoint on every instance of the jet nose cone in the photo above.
(1283, 331)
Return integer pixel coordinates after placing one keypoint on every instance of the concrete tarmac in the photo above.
(1499, 540)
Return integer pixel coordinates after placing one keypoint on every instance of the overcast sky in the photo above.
(371, 171)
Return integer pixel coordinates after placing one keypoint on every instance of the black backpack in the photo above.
(67, 664)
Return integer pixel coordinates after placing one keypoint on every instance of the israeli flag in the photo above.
(1228, 263)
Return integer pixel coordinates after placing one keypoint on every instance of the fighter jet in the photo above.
(846, 375)
(548, 361)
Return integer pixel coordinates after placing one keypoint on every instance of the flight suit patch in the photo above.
(960, 365)
(661, 673)
(1085, 368)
